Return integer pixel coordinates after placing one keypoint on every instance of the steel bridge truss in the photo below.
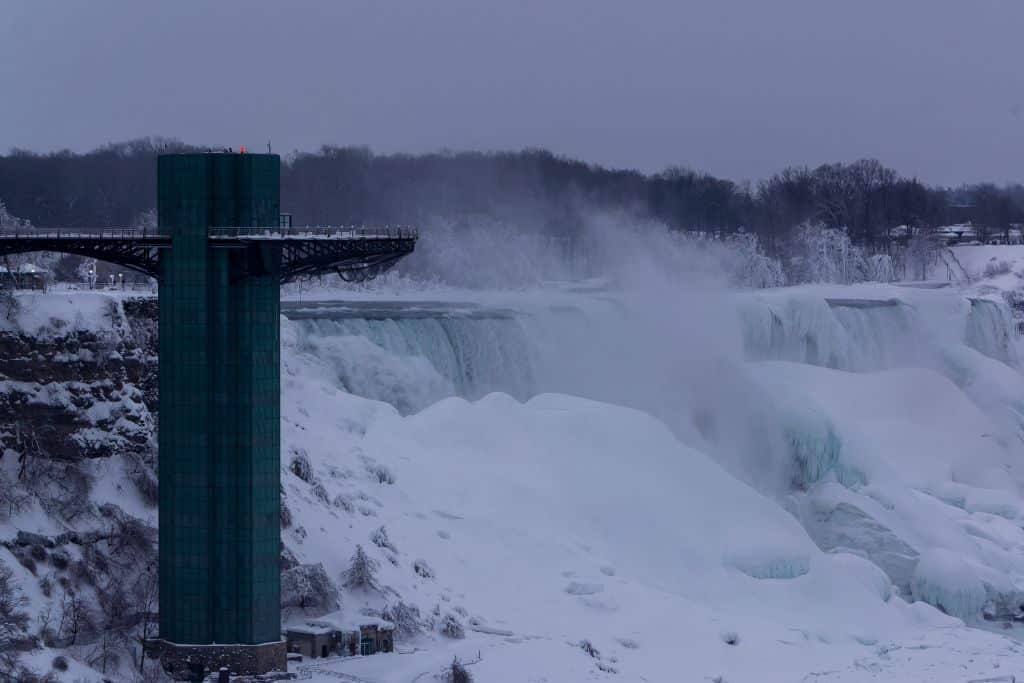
(355, 254)
(137, 250)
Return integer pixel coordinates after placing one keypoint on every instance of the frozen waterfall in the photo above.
(412, 356)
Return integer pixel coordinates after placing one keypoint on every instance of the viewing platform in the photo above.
(355, 253)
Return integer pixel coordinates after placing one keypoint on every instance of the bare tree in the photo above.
(9, 305)
(145, 604)
(13, 620)
(74, 618)
(920, 254)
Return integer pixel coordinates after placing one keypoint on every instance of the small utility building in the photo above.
(25, 276)
(332, 638)
(313, 640)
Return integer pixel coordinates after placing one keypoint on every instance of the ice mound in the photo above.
(767, 561)
(857, 329)
(414, 358)
(887, 423)
(947, 581)
(874, 327)
(929, 490)
(408, 382)
(558, 458)
(998, 390)
(814, 446)
(799, 329)
(839, 519)
(865, 572)
(989, 330)
(539, 497)
(583, 588)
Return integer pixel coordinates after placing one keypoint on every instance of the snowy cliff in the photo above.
(719, 485)
(885, 419)
(78, 485)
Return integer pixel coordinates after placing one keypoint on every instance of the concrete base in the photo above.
(181, 661)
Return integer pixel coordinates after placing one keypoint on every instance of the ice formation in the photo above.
(948, 581)
(856, 406)
(820, 471)
(990, 330)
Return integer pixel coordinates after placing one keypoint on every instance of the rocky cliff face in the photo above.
(78, 487)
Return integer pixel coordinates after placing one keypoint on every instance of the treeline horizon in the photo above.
(115, 185)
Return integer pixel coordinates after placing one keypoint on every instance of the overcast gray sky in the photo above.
(739, 88)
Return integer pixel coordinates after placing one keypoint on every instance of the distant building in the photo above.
(25, 276)
(900, 234)
(329, 638)
(960, 233)
(1016, 233)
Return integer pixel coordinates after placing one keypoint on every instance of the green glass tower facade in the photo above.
(219, 403)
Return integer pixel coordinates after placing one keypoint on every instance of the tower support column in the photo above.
(219, 436)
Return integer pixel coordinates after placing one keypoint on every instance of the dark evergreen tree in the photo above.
(362, 572)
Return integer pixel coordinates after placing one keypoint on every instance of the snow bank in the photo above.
(597, 524)
(998, 265)
(930, 481)
(907, 398)
(561, 461)
(44, 314)
(946, 580)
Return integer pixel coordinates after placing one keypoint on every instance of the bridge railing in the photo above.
(104, 233)
(331, 232)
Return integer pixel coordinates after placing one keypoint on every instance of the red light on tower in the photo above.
(241, 150)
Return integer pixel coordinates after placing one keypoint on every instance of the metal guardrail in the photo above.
(333, 232)
(108, 233)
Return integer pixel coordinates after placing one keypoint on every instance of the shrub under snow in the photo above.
(750, 267)
(452, 627)
(308, 588)
(458, 673)
(406, 619)
(423, 569)
(13, 619)
(301, 468)
(381, 540)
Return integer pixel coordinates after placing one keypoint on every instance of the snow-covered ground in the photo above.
(998, 265)
(559, 520)
(654, 480)
(777, 486)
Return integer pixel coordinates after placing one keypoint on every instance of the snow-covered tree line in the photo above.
(352, 185)
(818, 254)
